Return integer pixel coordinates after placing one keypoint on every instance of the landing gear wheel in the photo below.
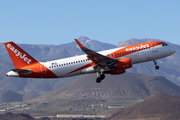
(157, 67)
(155, 63)
(98, 80)
(102, 76)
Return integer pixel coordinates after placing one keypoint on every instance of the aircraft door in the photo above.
(154, 49)
(43, 69)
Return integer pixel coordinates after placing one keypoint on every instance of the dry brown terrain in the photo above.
(157, 107)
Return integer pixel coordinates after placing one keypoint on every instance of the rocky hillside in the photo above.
(12, 116)
(79, 95)
(157, 107)
(124, 85)
(9, 96)
(29, 96)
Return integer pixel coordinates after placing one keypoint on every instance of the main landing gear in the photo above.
(155, 63)
(100, 77)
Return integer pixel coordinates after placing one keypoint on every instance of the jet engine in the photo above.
(123, 63)
(119, 66)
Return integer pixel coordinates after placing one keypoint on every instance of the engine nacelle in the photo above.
(123, 63)
(119, 66)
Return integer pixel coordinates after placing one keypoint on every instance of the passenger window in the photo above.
(49, 67)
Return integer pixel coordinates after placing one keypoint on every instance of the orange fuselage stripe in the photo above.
(124, 51)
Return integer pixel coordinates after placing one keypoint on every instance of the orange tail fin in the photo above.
(18, 56)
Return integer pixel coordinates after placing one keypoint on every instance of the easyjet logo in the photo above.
(138, 47)
(18, 53)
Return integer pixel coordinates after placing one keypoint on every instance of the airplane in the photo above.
(114, 61)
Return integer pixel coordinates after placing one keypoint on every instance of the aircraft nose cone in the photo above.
(172, 50)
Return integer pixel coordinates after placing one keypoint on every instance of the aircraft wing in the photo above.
(94, 56)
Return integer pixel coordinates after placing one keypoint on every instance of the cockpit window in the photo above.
(165, 44)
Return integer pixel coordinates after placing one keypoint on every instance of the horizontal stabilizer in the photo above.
(22, 71)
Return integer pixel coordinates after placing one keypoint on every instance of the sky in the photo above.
(110, 21)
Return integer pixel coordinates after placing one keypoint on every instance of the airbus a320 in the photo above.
(114, 61)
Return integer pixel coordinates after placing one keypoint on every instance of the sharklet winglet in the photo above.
(80, 45)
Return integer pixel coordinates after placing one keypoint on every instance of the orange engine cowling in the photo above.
(123, 63)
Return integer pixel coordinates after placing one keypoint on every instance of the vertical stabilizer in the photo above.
(18, 56)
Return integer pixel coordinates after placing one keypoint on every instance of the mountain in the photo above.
(78, 96)
(29, 96)
(9, 96)
(124, 85)
(12, 116)
(135, 41)
(91, 44)
(157, 107)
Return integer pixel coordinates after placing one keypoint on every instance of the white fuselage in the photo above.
(63, 67)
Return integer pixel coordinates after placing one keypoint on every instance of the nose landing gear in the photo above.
(157, 67)
(155, 63)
